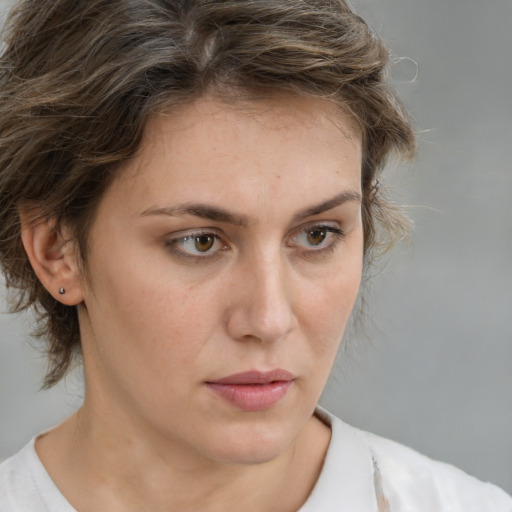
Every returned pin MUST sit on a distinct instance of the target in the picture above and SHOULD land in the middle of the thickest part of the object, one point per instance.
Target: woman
(188, 196)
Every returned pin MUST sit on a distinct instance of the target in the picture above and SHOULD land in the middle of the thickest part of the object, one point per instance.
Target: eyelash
(333, 236)
(326, 247)
(174, 243)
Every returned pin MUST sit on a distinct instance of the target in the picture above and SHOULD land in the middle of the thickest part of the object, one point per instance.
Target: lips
(253, 391)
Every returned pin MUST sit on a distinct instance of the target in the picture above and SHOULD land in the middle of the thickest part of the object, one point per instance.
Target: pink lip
(253, 391)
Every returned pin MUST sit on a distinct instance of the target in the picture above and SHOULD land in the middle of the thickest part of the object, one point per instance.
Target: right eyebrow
(201, 210)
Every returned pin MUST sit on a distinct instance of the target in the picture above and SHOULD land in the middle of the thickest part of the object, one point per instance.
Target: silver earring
(62, 291)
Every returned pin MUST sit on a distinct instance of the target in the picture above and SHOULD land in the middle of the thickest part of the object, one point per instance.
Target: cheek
(154, 316)
(182, 323)
(330, 313)
(149, 334)
(328, 307)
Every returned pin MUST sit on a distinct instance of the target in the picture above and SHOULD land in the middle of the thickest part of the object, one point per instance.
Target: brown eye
(200, 246)
(316, 236)
(316, 239)
(204, 243)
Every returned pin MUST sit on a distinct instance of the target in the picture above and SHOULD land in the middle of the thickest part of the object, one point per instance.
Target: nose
(261, 307)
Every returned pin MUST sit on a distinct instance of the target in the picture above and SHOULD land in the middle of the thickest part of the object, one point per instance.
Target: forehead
(279, 111)
(247, 148)
(212, 119)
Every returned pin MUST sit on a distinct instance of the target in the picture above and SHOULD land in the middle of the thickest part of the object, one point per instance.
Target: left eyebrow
(327, 205)
(217, 214)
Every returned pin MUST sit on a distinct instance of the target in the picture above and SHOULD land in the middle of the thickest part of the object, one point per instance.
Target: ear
(53, 258)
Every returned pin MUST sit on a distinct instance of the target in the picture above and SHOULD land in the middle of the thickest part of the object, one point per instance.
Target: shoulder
(25, 486)
(408, 476)
(14, 479)
(410, 481)
(19, 486)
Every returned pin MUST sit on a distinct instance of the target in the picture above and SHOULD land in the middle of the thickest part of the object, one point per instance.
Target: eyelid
(173, 242)
(334, 237)
(331, 227)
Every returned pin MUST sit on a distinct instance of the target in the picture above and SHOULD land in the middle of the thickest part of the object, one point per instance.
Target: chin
(251, 455)
(251, 446)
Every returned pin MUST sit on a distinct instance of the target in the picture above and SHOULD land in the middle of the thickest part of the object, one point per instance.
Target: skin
(161, 315)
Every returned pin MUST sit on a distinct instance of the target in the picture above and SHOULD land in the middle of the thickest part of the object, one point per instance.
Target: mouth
(253, 391)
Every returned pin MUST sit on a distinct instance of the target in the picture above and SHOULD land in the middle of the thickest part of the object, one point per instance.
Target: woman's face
(224, 263)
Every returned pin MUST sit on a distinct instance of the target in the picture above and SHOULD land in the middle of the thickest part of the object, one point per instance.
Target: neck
(130, 468)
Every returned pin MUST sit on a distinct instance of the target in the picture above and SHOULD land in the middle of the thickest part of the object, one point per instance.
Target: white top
(362, 472)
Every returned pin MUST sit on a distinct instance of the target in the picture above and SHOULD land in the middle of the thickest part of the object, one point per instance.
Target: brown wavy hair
(79, 80)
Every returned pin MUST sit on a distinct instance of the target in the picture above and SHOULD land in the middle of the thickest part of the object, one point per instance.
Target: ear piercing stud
(62, 291)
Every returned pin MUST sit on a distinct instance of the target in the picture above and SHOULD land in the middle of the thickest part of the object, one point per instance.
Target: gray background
(434, 368)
